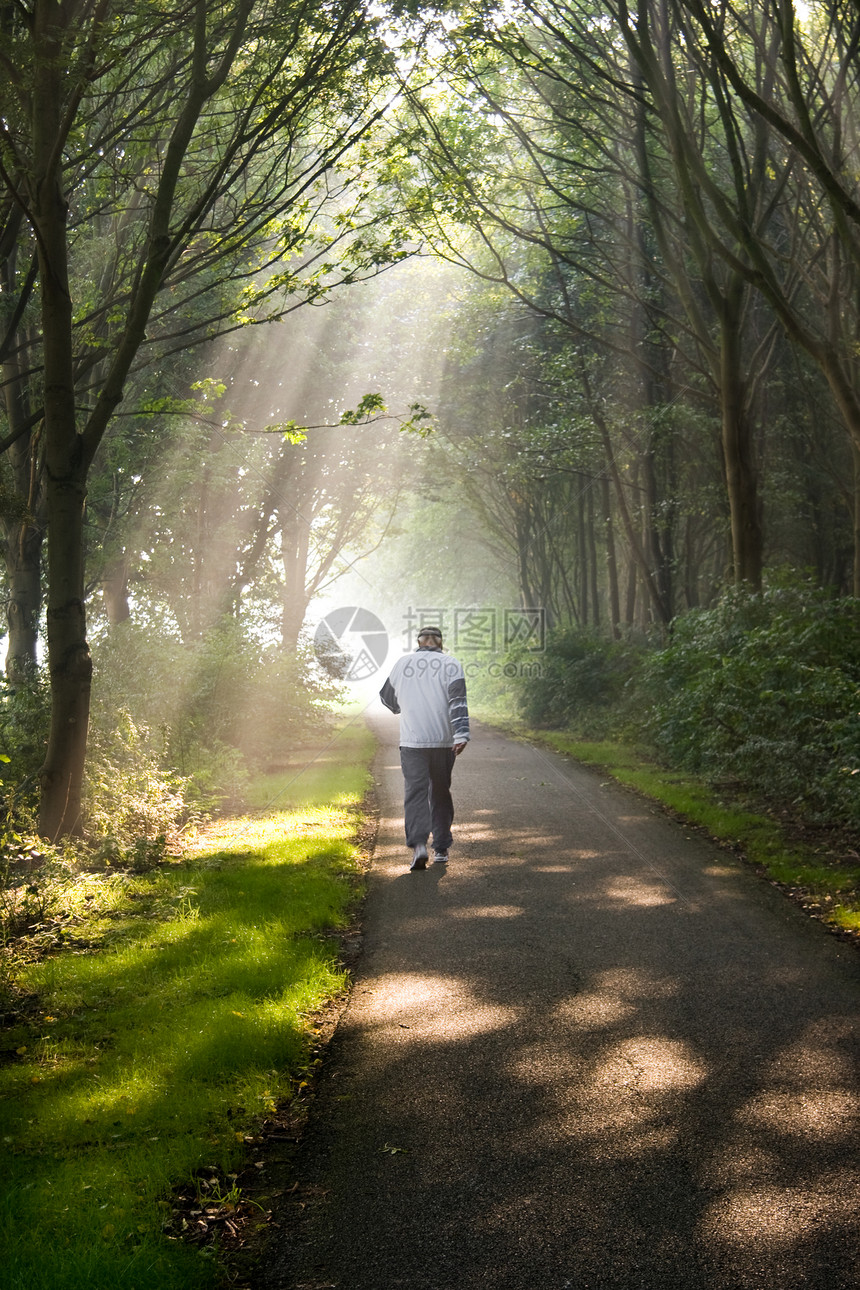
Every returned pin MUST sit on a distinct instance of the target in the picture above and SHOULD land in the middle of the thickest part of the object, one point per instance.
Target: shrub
(285, 700)
(174, 728)
(765, 690)
(582, 682)
(24, 716)
(132, 804)
(218, 705)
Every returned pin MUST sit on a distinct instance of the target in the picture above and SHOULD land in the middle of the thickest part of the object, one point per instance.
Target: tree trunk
(69, 662)
(611, 560)
(582, 545)
(657, 537)
(22, 539)
(115, 592)
(691, 570)
(637, 549)
(23, 526)
(856, 455)
(295, 539)
(592, 559)
(65, 472)
(738, 451)
(527, 595)
(23, 573)
(630, 596)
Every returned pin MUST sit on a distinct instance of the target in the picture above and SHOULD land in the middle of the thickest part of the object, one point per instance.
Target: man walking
(428, 689)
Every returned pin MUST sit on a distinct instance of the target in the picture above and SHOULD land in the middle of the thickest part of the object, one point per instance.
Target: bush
(131, 803)
(219, 706)
(174, 729)
(765, 690)
(582, 682)
(286, 699)
(24, 717)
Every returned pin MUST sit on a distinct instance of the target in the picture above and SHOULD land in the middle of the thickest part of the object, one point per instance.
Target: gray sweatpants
(427, 805)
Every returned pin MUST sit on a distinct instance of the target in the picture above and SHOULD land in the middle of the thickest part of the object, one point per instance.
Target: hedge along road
(592, 1052)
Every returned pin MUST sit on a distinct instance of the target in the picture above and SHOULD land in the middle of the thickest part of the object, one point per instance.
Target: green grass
(179, 1015)
(827, 885)
(314, 773)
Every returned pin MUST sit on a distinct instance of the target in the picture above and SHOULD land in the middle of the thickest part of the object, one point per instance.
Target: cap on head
(430, 631)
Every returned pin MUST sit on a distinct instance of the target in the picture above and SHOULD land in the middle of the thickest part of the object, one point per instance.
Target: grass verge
(174, 1014)
(820, 870)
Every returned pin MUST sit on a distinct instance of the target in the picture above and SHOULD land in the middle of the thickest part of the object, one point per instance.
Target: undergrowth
(153, 1019)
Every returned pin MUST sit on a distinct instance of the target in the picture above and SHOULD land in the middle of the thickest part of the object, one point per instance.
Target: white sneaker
(419, 858)
(440, 857)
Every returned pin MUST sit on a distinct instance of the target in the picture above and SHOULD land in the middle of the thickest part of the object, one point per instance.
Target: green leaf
(370, 405)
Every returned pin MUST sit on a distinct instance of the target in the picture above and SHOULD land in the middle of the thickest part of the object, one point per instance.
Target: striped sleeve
(458, 710)
(389, 697)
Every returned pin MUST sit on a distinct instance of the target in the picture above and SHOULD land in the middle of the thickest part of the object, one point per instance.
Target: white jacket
(428, 689)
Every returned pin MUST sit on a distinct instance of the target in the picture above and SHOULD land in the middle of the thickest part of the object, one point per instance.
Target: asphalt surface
(595, 1051)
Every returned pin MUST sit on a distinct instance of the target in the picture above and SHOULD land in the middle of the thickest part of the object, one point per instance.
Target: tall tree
(788, 81)
(673, 182)
(199, 135)
(532, 148)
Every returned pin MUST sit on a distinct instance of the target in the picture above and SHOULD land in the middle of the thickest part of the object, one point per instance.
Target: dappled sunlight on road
(556, 868)
(773, 1218)
(619, 1102)
(489, 911)
(637, 891)
(610, 998)
(390, 824)
(574, 853)
(440, 1007)
(594, 1011)
(819, 1054)
(813, 1113)
(648, 1064)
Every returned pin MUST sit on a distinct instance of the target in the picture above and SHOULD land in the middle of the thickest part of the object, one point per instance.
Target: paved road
(595, 1052)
